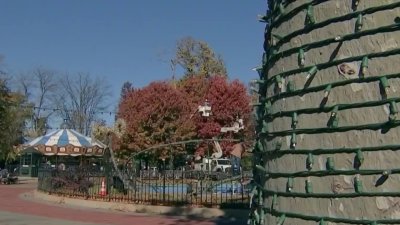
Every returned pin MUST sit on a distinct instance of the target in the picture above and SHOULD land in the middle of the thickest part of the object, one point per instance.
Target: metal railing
(172, 187)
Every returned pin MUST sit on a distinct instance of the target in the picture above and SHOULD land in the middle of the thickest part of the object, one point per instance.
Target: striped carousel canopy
(67, 142)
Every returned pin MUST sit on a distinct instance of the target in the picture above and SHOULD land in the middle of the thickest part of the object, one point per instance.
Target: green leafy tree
(12, 121)
(196, 57)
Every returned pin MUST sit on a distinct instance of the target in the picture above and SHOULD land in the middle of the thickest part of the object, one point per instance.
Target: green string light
(281, 219)
(309, 161)
(267, 108)
(278, 80)
(393, 111)
(309, 188)
(274, 200)
(384, 84)
(264, 127)
(327, 90)
(294, 120)
(322, 222)
(313, 70)
(364, 65)
(289, 184)
(259, 146)
(261, 169)
(291, 86)
(302, 58)
(359, 158)
(359, 22)
(330, 164)
(278, 145)
(310, 15)
(358, 187)
(281, 9)
(293, 141)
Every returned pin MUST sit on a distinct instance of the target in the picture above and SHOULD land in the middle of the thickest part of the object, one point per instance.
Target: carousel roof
(64, 137)
(67, 142)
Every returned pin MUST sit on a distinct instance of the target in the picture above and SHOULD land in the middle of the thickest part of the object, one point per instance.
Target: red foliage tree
(160, 112)
(156, 114)
(229, 101)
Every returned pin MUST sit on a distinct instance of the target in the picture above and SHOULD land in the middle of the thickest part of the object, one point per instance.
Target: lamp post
(205, 111)
(163, 159)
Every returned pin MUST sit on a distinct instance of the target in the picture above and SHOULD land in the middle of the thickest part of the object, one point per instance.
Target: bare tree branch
(80, 97)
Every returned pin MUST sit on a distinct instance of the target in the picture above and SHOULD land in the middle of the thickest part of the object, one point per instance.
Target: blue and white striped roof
(64, 137)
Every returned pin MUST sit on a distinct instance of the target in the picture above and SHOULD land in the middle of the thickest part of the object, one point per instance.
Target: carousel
(60, 148)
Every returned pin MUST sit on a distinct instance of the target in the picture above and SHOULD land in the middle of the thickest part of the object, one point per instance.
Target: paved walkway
(17, 208)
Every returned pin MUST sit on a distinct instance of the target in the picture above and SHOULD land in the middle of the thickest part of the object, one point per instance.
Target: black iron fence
(173, 188)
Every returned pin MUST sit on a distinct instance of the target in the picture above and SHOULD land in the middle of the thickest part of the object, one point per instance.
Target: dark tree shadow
(335, 52)
(322, 105)
(381, 180)
(356, 163)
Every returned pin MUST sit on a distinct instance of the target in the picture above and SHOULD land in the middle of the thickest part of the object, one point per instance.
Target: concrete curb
(201, 213)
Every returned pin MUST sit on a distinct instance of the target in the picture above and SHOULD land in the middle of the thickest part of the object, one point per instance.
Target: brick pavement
(12, 204)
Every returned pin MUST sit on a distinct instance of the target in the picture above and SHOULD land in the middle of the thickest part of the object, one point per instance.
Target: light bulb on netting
(393, 110)
(327, 90)
(275, 38)
(313, 70)
(334, 111)
(260, 146)
(281, 8)
(261, 169)
(264, 128)
(338, 38)
(358, 184)
(264, 58)
(310, 14)
(386, 173)
(278, 145)
(293, 141)
(359, 157)
(281, 219)
(309, 161)
(364, 65)
(256, 215)
(309, 188)
(294, 120)
(333, 121)
(262, 216)
(290, 86)
(384, 84)
(279, 82)
(274, 201)
(322, 222)
(330, 164)
(302, 58)
(289, 184)
(267, 108)
(262, 18)
(359, 22)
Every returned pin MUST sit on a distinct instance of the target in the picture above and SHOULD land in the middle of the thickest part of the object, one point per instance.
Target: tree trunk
(329, 130)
